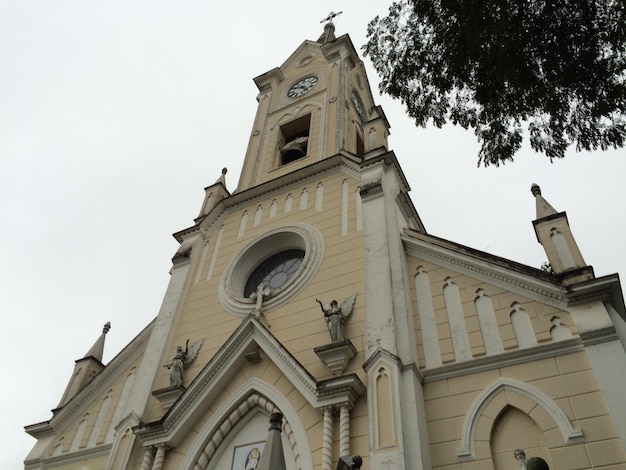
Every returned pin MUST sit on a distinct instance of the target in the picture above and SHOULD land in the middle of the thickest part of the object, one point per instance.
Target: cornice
(405, 203)
(605, 288)
(591, 338)
(340, 391)
(518, 356)
(388, 158)
(341, 160)
(69, 457)
(506, 273)
(511, 275)
(342, 42)
(249, 335)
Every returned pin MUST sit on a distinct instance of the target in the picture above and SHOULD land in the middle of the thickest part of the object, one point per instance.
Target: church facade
(314, 291)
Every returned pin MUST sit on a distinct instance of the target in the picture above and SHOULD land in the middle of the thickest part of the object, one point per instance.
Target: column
(344, 430)
(327, 439)
(160, 457)
(148, 458)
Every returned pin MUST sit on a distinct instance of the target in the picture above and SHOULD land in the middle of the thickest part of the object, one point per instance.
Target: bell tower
(317, 104)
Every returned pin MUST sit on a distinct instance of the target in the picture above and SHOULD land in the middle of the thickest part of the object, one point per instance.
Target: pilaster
(152, 359)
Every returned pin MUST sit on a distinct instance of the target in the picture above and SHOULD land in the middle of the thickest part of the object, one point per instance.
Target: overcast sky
(115, 115)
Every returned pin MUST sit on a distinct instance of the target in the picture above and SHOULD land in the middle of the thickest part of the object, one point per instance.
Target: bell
(293, 150)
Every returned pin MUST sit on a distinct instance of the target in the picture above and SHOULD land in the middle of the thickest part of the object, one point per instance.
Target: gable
(470, 307)
(85, 425)
(252, 370)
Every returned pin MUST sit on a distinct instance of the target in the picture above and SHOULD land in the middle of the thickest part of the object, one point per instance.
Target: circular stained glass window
(284, 260)
(275, 271)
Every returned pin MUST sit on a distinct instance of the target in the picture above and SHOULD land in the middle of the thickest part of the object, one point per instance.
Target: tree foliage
(554, 67)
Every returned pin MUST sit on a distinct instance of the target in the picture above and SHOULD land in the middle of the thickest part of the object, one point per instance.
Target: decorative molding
(251, 334)
(342, 160)
(467, 450)
(168, 395)
(228, 420)
(336, 356)
(380, 354)
(69, 457)
(484, 268)
(304, 236)
(518, 356)
(604, 335)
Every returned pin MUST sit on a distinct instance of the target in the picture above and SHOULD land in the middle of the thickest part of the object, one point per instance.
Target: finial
(535, 189)
(107, 327)
(543, 207)
(331, 15)
(222, 178)
(329, 28)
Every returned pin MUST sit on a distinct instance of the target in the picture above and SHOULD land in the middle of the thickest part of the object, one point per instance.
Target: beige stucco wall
(91, 414)
(299, 325)
(540, 313)
(568, 380)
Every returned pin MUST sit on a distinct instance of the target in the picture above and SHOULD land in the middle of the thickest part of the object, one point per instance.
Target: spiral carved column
(160, 457)
(327, 440)
(344, 430)
(148, 458)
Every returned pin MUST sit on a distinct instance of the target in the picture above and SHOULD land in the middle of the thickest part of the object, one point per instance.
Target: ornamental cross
(332, 15)
(262, 291)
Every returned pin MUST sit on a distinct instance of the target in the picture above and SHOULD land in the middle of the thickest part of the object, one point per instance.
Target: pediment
(306, 53)
(250, 338)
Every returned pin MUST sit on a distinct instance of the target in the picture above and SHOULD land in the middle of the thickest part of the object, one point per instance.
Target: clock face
(302, 86)
(358, 104)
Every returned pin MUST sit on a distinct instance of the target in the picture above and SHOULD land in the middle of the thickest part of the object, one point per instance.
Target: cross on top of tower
(331, 15)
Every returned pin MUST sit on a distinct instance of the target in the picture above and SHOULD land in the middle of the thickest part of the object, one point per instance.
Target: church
(311, 322)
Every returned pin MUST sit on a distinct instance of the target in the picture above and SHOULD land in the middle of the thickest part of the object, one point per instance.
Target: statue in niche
(520, 457)
(183, 358)
(336, 316)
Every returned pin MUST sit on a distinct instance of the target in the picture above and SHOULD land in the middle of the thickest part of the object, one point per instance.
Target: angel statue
(336, 316)
(183, 358)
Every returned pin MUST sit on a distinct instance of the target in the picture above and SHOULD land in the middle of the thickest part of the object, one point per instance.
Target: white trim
(467, 450)
(344, 208)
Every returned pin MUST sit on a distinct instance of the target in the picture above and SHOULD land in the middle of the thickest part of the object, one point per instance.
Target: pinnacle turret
(87, 367)
(554, 233)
